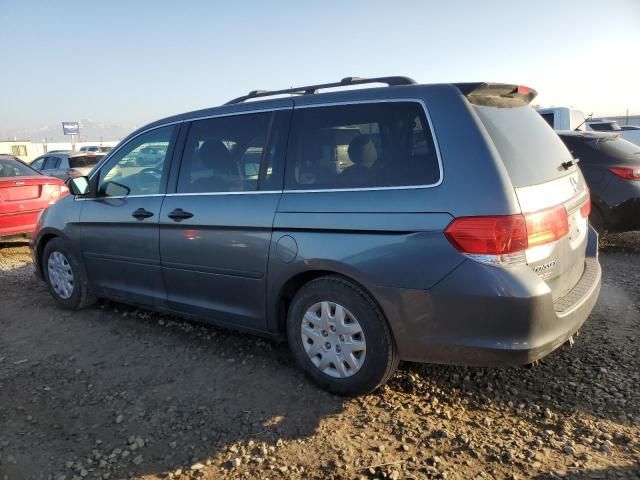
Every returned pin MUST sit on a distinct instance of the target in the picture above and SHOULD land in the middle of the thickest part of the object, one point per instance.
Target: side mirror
(79, 185)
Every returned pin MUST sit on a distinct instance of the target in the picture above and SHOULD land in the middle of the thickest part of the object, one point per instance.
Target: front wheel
(340, 337)
(65, 277)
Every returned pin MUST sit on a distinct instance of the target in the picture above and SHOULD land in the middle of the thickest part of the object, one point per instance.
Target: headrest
(213, 152)
(362, 150)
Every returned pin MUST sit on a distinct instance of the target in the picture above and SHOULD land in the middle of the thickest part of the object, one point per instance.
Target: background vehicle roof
(589, 135)
(85, 154)
(70, 154)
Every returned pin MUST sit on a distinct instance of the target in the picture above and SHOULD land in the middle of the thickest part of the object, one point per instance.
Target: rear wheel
(340, 337)
(65, 277)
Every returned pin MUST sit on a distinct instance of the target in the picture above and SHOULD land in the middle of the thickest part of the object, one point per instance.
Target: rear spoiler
(497, 94)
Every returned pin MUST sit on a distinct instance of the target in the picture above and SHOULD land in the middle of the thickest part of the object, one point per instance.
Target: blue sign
(71, 128)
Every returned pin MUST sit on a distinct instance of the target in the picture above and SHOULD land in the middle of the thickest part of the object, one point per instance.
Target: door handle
(141, 214)
(178, 215)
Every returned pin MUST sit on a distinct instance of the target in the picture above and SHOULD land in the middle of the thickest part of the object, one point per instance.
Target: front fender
(60, 220)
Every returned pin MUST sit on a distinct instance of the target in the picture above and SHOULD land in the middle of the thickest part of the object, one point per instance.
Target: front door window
(138, 168)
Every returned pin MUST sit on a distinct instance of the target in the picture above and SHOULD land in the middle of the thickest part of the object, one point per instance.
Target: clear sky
(130, 62)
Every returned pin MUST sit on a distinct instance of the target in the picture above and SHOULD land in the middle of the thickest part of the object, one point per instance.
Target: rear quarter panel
(376, 250)
(391, 240)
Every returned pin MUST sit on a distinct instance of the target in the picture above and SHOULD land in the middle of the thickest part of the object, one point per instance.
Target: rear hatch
(23, 197)
(547, 184)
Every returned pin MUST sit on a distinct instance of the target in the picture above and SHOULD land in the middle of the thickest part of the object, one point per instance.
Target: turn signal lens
(585, 209)
(546, 226)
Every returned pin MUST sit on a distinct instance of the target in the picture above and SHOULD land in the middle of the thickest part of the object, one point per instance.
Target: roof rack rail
(311, 89)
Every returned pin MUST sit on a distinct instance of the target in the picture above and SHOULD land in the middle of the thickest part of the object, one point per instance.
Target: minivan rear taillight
(546, 226)
(497, 235)
(628, 173)
(503, 239)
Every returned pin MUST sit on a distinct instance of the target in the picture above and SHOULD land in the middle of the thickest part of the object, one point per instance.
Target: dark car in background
(65, 165)
(628, 132)
(24, 194)
(432, 223)
(611, 166)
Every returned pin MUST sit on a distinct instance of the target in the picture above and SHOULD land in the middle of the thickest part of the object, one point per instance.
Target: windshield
(617, 147)
(14, 168)
(531, 150)
(84, 161)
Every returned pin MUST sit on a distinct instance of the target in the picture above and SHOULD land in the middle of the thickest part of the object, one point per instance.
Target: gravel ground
(621, 242)
(116, 392)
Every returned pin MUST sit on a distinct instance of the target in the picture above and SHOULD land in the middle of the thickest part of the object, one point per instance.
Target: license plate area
(20, 192)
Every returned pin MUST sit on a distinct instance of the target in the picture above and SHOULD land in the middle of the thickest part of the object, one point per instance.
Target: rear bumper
(16, 236)
(487, 316)
(624, 217)
(17, 230)
(18, 223)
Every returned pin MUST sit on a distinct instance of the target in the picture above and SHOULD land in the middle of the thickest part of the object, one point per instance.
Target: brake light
(505, 236)
(497, 235)
(54, 192)
(628, 173)
(522, 90)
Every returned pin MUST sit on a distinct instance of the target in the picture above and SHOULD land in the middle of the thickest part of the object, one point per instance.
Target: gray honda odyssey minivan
(432, 223)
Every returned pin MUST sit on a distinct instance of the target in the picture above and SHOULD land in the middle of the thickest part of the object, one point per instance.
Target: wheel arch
(296, 281)
(44, 237)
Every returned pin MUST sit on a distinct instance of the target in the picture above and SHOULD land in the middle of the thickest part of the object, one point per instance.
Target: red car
(24, 193)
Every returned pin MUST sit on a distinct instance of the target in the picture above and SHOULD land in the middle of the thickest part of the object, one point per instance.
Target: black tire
(596, 218)
(381, 359)
(81, 296)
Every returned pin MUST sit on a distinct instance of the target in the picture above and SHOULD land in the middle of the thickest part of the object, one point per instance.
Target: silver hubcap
(333, 339)
(60, 275)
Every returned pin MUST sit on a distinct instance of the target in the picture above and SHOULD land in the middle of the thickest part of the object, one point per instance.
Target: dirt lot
(114, 392)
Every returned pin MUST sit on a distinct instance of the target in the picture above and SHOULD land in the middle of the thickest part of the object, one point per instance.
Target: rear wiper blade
(570, 163)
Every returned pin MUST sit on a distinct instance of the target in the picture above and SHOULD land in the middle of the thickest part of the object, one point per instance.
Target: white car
(564, 118)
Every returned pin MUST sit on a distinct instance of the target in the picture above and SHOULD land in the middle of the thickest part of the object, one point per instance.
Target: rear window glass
(361, 146)
(13, 168)
(531, 151)
(84, 161)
